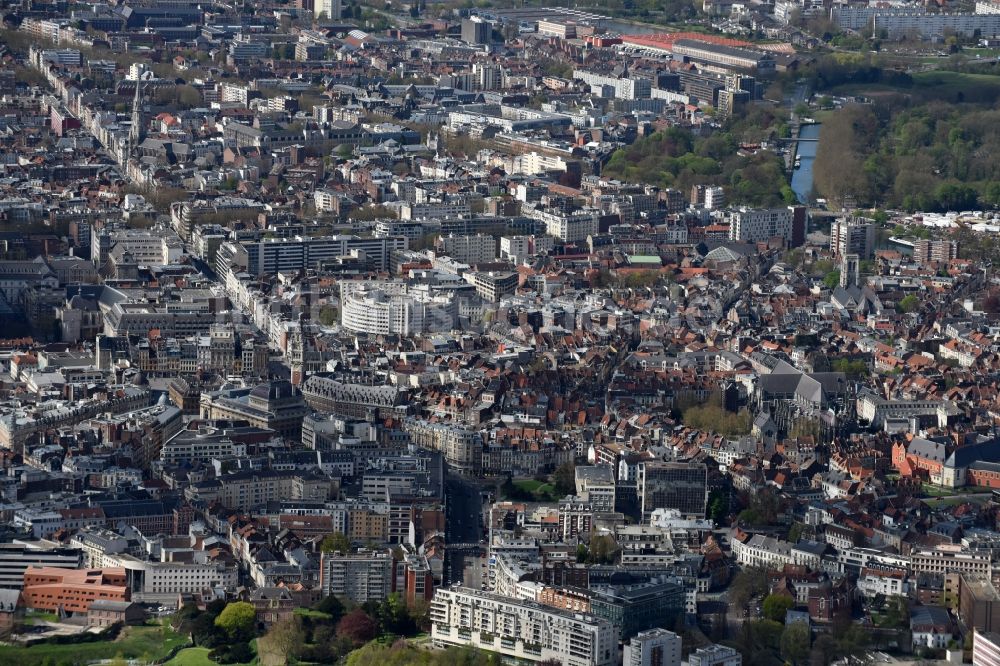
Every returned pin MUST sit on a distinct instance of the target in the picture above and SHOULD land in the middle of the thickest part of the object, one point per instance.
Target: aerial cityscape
(463, 333)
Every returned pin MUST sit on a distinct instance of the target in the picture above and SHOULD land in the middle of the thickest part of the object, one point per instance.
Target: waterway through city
(802, 177)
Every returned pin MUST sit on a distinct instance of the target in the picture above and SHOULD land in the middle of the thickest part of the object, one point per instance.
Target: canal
(630, 28)
(802, 178)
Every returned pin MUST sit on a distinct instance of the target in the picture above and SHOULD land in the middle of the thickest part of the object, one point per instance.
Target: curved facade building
(380, 313)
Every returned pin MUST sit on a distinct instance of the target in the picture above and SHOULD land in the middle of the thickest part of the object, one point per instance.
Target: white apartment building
(753, 225)
(360, 577)
(330, 9)
(572, 228)
(380, 313)
(602, 85)
(715, 655)
(520, 629)
(98, 546)
(489, 75)
(462, 447)
(762, 551)
(986, 648)
(715, 197)
(531, 164)
(877, 410)
(493, 285)
(518, 248)
(654, 647)
(325, 200)
(165, 580)
(157, 247)
(857, 558)
(950, 558)
(884, 581)
(476, 249)
(596, 486)
(853, 235)
(202, 446)
(435, 210)
(508, 572)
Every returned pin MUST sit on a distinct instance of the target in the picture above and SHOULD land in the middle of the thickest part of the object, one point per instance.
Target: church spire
(135, 134)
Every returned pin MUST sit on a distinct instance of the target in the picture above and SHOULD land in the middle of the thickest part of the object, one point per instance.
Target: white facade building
(853, 236)
(520, 629)
(165, 580)
(754, 225)
(986, 648)
(602, 85)
(571, 228)
(518, 248)
(655, 647)
(884, 581)
(360, 577)
(379, 312)
(762, 551)
(715, 655)
(715, 197)
(435, 210)
(331, 9)
(477, 249)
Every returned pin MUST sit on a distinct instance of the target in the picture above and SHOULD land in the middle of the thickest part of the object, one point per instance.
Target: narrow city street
(464, 526)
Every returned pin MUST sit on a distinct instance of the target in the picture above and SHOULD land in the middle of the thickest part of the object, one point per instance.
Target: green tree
(328, 315)
(775, 606)
(371, 213)
(332, 606)
(283, 642)
(335, 542)
(909, 303)
(603, 550)
(759, 641)
(718, 506)
(795, 643)
(762, 508)
(854, 369)
(805, 426)
(564, 479)
(237, 620)
(831, 279)
(897, 613)
(956, 197)
(715, 418)
(795, 532)
(749, 583)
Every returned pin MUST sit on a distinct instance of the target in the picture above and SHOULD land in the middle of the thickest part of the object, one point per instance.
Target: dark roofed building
(106, 612)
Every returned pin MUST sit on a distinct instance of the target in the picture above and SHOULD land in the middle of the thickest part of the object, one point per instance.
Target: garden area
(542, 488)
(150, 642)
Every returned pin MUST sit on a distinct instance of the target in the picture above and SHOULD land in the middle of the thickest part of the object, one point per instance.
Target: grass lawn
(954, 501)
(947, 84)
(542, 491)
(529, 485)
(148, 642)
(315, 614)
(198, 656)
(33, 617)
(937, 84)
(938, 491)
(195, 656)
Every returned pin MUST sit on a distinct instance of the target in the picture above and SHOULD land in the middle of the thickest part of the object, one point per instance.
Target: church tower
(136, 133)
